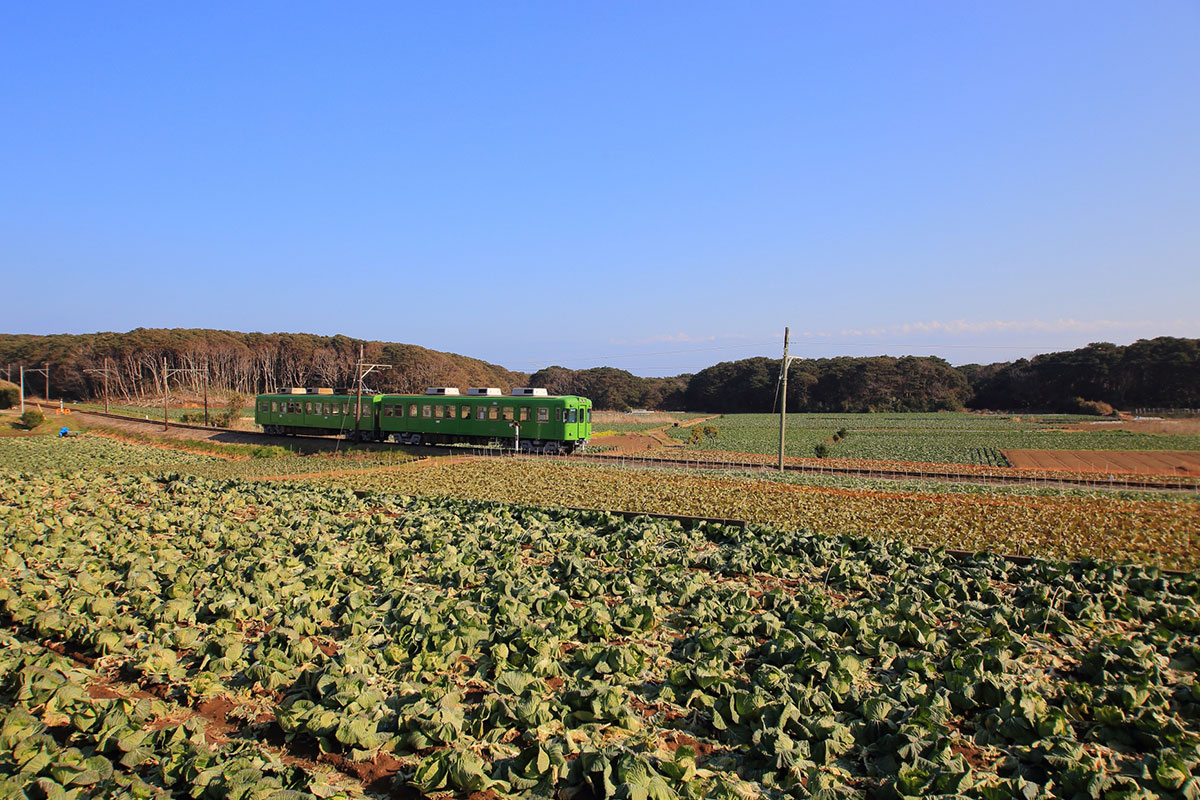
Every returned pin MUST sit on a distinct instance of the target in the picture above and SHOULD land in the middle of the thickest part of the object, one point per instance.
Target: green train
(528, 420)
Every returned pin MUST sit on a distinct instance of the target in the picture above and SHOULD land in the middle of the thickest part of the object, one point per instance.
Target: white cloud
(962, 327)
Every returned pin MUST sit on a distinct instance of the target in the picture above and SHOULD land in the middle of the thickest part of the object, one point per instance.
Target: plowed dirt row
(1139, 462)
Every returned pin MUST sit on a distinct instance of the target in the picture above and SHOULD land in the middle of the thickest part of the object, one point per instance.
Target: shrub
(32, 418)
(1097, 408)
(10, 394)
(233, 410)
(820, 450)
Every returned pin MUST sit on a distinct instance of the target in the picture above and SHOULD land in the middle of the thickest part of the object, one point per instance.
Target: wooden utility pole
(206, 393)
(783, 398)
(167, 373)
(45, 371)
(166, 421)
(103, 372)
(362, 370)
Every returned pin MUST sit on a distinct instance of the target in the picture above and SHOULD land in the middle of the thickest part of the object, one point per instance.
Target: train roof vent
(442, 390)
(484, 391)
(324, 390)
(295, 390)
(529, 391)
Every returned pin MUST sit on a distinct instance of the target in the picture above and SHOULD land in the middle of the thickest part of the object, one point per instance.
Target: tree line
(233, 362)
(1161, 372)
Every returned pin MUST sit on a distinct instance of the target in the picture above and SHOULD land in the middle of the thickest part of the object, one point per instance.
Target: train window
(543, 415)
(337, 409)
(558, 415)
(387, 411)
(308, 408)
(439, 412)
(412, 409)
(481, 412)
(508, 413)
(524, 413)
(493, 412)
(426, 411)
(465, 412)
(587, 415)
(274, 407)
(398, 410)
(571, 416)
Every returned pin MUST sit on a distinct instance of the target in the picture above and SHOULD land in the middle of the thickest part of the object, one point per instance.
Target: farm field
(175, 414)
(1144, 462)
(619, 422)
(1152, 531)
(934, 438)
(97, 451)
(235, 639)
(357, 625)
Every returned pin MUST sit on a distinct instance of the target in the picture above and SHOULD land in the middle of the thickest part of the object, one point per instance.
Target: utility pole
(103, 372)
(206, 393)
(362, 370)
(167, 373)
(45, 371)
(783, 398)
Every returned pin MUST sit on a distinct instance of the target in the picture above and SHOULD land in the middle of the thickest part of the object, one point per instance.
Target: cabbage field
(171, 634)
(1157, 529)
(935, 438)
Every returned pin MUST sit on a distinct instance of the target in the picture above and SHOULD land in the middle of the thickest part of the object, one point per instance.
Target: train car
(529, 420)
(316, 413)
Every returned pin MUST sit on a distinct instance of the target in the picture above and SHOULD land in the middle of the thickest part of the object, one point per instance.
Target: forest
(1161, 373)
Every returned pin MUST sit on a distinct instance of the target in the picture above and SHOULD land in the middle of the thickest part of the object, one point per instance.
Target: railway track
(1113, 482)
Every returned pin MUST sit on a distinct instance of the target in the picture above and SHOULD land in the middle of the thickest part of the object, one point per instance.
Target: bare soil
(648, 439)
(628, 442)
(1183, 425)
(1139, 462)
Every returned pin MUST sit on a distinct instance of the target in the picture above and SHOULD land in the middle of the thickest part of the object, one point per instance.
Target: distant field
(936, 438)
(619, 422)
(174, 414)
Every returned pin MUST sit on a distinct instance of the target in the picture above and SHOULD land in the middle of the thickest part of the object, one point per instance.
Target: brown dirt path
(648, 439)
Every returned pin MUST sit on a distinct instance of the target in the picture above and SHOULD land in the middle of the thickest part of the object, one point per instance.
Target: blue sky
(652, 186)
